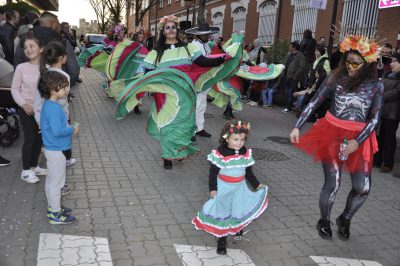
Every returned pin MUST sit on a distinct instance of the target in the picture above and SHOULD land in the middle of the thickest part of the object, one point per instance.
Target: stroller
(9, 126)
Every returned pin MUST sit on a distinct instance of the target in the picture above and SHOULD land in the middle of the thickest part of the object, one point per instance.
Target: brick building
(270, 20)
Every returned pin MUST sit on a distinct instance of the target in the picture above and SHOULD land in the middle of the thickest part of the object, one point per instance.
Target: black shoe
(343, 227)
(167, 164)
(193, 139)
(4, 162)
(79, 80)
(203, 133)
(221, 248)
(240, 233)
(136, 110)
(324, 229)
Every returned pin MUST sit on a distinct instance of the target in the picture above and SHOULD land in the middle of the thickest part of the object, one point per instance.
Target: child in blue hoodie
(56, 135)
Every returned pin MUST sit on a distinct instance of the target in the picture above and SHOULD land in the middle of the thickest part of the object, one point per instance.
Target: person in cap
(202, 35)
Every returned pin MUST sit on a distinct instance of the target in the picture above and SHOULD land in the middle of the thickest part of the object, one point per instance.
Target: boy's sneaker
(4, 161)
(286, 111)
(71, 162)
(61, 218)
(39, 171)
(29, 176)
(65, 210)
(66, 189)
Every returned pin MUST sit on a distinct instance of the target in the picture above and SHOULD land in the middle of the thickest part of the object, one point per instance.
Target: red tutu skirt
(323, 141)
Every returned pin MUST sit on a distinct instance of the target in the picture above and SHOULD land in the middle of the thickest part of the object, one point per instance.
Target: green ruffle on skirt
(227, 91)
(124, 60)
(86, 55)
(274, 70)
(174, 124)
(226, 70)
(115, 87)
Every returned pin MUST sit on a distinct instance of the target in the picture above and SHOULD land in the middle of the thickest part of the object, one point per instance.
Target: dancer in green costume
(172, 70)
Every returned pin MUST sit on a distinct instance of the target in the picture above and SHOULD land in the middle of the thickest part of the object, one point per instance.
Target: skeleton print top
(361, 105)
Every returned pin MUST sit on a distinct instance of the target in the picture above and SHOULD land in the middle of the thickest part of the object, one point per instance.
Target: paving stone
(121, 192)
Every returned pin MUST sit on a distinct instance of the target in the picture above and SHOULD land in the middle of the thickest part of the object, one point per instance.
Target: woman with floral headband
(171, 78)
(232, 205)
(353, 115)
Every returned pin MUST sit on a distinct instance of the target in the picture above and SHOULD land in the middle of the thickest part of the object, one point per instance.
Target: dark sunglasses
(169, 28)
(353, 64)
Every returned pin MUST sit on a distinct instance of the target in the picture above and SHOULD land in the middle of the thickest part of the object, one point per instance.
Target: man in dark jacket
(295, 69)
(8, 33)
(46, 32)
(390, 118)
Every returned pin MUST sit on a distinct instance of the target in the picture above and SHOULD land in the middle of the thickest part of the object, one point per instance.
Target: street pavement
(129, 207)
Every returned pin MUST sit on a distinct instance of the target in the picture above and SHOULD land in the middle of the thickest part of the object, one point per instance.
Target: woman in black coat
(390, 118)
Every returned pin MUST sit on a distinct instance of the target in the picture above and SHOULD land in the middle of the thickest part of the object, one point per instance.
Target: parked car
(92, 39)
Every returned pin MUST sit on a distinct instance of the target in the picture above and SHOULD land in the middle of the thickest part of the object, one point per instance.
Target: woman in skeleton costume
(354, 112)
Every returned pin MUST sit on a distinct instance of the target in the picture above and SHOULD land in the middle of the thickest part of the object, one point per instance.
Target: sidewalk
(121, 193)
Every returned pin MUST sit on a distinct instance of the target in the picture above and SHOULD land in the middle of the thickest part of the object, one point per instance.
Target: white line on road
(207, 256)
(332, 261)
(57, 249)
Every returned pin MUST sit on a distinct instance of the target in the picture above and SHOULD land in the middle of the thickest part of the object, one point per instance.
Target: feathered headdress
(165, 19)
(368, 48)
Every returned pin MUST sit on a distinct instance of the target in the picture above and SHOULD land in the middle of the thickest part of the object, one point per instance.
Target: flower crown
(368, 48)
(165, 19)
(239, 125)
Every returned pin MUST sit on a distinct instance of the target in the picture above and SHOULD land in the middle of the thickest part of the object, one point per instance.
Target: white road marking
(207, 256)
(331, 261)
(57, 249)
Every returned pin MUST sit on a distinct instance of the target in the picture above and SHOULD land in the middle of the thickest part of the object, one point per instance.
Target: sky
(72, 10)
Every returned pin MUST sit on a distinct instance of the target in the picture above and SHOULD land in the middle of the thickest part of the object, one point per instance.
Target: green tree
(21, 7)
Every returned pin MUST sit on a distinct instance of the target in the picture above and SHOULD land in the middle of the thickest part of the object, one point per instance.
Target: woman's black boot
(136, 110)
(240, 233)
(167, 164)
(324, 228)
(221, 248)
(343, 227)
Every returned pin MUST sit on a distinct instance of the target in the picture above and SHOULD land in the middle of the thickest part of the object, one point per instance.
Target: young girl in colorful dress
(23, 90)
(233, 205)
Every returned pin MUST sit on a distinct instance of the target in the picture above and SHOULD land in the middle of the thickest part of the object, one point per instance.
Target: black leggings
(361, 184)
(32, 140)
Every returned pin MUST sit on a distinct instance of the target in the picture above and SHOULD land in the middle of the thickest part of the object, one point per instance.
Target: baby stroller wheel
(6, 140)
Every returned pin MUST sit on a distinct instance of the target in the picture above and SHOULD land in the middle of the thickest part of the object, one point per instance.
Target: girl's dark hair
(30, 36)
(51, 55)
(367, 72)
(161, 46)
(51, 81)
(234, 127)
(321, 49)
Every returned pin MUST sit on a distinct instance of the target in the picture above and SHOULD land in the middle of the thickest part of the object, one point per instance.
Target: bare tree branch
(141, 11)
(116, 7)
(102, 14)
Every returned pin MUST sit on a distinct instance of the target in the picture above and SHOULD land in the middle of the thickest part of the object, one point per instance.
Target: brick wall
(388, 25)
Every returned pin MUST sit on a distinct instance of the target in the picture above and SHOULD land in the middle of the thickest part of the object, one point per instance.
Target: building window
(169, 2)
(305, 18)
(161, 3)
(360, 17)
(218, 20)
(267, 21)
(239, 19)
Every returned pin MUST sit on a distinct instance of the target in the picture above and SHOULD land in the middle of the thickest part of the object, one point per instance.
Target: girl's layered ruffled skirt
(234, 207)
